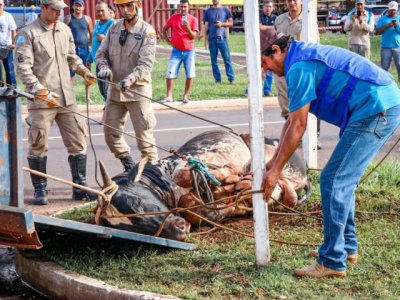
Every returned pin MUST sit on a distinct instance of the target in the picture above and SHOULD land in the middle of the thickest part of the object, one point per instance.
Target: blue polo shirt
(267, 20)
(367, 99)
(391, 36)
(98, 29)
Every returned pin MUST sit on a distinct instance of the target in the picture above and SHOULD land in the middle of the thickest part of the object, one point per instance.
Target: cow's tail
(308, 190)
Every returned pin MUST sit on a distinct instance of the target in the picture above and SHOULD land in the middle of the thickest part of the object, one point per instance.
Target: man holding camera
(184, 28)
(388, 27)
(359, 24)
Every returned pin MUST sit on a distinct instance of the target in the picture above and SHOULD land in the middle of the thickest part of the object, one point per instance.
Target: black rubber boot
(128, 163)
(39, 183)
(77, 164)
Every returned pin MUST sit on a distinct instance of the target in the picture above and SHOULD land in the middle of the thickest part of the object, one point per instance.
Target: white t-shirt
(30, 17)
(7, 24)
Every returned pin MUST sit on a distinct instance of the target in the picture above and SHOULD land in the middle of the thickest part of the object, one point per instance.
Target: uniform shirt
(180, 37)
(135, 59)
(391, 36)
(359, 33)
(99, 28)
(44, 58)
(267, 20)
(215, 14)
(7, 24)
(366, 100)
(284, 24)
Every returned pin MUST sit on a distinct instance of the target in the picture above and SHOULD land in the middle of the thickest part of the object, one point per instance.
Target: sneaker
(185, 100)
(232, 82)
(166, 100)
(217, 82)
(351, 257)
(318, 271)
(268, 95)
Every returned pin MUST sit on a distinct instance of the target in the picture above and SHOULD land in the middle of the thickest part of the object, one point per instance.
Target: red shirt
(180, 37)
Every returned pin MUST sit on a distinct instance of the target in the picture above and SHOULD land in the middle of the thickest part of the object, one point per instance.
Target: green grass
(223, 265)
(204, 87)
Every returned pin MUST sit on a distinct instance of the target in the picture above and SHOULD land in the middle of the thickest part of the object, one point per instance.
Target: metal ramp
(62, 225)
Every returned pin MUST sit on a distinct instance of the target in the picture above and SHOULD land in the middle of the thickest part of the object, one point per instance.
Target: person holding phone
(388, 27)
(184, 28)
(359, 24)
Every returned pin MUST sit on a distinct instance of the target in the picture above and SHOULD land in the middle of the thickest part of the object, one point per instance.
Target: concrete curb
(56, 282)
(192, 105)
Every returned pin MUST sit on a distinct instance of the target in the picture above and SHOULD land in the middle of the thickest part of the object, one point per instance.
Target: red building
(156, 12)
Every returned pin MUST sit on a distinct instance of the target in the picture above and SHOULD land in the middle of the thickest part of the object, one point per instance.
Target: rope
(171, 107)
(87, 93)
(75, 185)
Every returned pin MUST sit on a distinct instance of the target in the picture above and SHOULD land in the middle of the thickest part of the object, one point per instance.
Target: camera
(358, 13)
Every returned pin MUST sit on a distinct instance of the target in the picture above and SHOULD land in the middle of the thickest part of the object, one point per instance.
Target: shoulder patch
(20, 39)
(152, 38)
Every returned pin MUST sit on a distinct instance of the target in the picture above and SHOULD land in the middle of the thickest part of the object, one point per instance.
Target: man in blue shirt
(216, 21)
(99, 33)
(388, 27)
(347, 90)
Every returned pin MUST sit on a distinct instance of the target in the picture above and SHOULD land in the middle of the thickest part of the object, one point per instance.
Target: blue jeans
(358, 145)
(187, 57)
(221, 45)
(8, 64)
(386, 59)
(269, 77)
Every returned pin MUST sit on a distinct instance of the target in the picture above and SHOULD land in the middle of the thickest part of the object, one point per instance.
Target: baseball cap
(81, 2)
(55, 4)
(360, 1)
(393, 5)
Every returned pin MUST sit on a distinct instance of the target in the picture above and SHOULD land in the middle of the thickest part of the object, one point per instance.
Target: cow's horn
(106, 178)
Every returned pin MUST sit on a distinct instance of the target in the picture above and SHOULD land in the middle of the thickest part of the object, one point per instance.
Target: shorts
(175, 61)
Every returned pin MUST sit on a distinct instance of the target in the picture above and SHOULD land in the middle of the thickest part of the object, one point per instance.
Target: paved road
(172, 130)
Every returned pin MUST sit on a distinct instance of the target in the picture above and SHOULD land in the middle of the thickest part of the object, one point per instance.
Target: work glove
(89, 78)
(125, 84)
(104, 73)
(46, 96)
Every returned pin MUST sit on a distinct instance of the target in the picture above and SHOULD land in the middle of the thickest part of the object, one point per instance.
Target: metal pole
(253, 60)
(310, 34)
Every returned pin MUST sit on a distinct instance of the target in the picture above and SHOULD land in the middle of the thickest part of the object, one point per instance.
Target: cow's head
(145, 196)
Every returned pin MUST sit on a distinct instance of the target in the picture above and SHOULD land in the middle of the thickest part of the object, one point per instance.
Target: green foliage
(223, 265)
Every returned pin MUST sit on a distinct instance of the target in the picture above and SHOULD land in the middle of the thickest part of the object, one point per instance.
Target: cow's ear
(142, 164)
